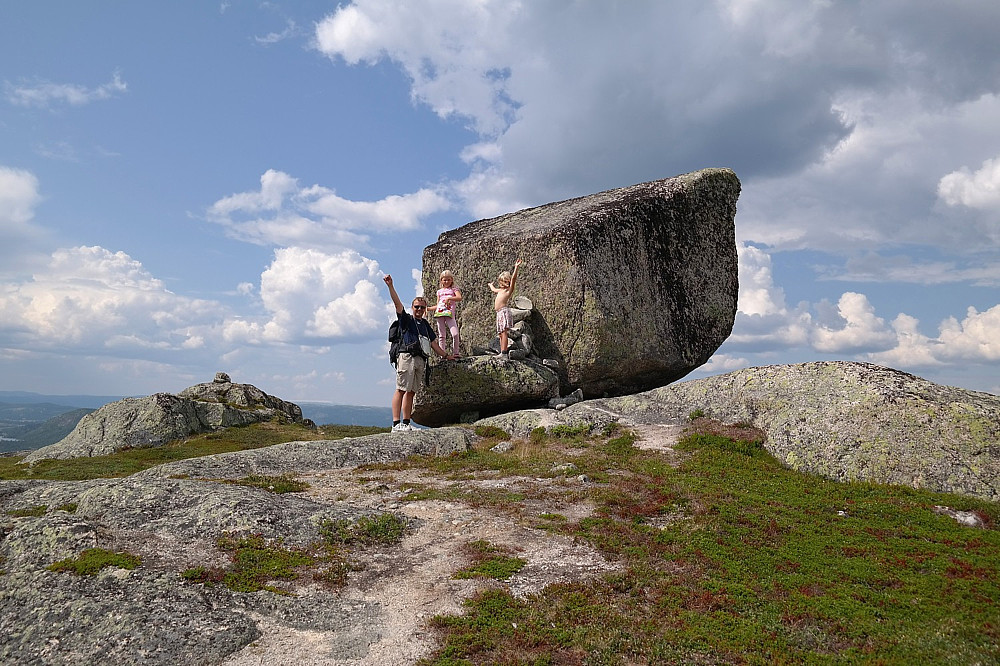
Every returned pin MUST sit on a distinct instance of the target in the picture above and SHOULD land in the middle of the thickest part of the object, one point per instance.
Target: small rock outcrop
(159, 418)
(632, 288)
(842, 420)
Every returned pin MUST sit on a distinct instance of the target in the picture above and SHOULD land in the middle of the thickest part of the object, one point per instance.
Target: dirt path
(412, 581)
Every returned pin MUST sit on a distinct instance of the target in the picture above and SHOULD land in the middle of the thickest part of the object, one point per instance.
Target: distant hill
(323, 414)
(35, 436)
(71, 401)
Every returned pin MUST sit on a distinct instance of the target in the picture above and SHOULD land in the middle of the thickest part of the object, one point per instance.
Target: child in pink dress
(446, 312)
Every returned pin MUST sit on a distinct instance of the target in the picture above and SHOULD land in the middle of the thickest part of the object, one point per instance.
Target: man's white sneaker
(401, 427)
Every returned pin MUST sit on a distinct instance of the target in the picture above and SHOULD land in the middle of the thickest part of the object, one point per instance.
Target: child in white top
(507, 281)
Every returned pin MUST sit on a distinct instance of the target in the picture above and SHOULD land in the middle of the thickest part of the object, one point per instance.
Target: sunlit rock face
(632, 288)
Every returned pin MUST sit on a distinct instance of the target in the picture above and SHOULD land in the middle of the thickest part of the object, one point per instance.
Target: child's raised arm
(513, 276)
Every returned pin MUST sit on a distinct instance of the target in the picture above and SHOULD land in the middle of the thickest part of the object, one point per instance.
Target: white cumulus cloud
(861, 329)
(93, 299)
(979, 189)
(312, 297)
(282, 213)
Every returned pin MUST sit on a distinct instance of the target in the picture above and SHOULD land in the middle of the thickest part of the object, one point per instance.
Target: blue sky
(190, 187)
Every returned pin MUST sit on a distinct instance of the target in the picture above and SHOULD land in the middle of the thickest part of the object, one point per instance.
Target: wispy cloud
(291, 30)
(45, 94)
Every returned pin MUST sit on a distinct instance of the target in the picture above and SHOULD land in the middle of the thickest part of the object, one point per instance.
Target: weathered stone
(632, 288)
(150, 615)
(313, 456)
(162, 417)
(482, 385)
(565, 401)
(841, 420)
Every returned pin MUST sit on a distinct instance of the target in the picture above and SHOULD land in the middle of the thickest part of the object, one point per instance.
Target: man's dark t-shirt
(414, 326)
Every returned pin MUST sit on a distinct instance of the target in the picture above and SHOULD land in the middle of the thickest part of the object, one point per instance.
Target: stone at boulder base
(469, 388)
(631, 288)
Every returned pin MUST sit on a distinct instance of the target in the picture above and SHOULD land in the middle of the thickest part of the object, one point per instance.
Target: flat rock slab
(474, 387)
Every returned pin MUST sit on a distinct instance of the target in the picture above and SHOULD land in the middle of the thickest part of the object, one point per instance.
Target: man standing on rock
(411, 365)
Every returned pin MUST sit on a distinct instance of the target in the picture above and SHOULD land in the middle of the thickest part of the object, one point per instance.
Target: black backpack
(400, 342)
(395, 340)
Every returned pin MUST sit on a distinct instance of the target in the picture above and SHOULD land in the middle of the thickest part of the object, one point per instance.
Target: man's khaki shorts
(409, 372)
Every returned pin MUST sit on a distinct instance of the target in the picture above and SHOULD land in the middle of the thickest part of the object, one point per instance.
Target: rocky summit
(632, 288)
(846, 421)
(159, 418)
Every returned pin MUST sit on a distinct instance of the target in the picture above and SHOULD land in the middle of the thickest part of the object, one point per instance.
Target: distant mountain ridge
(323, 413)
(70, 401)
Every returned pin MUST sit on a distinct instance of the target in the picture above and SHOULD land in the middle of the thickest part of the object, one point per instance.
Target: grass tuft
(382, 529)
(489, 561)
(275, 484)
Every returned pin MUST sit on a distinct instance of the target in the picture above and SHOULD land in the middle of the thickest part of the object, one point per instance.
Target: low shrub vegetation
(730, 557)
(258, 562)
(489, 561)
(492, 432)
(275, 484)
(29, 512)
(381, 529)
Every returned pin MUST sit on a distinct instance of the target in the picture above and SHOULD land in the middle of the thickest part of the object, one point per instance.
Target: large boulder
(159, 418)
(632, 288)
(464, 390)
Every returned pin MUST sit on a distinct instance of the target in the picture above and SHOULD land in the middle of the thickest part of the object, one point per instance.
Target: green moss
(29, 512)
(92, 560)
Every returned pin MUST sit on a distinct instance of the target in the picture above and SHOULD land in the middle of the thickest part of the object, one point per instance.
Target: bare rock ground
(412, 582)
